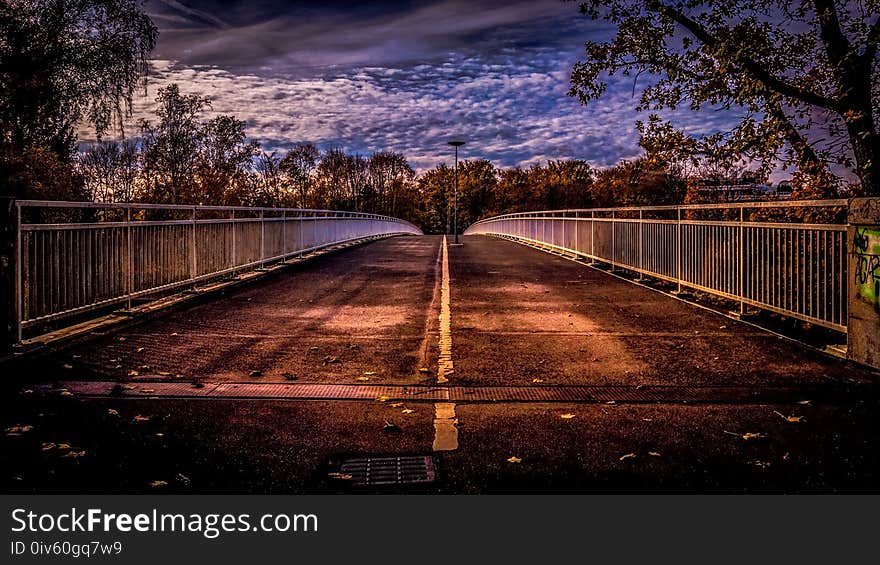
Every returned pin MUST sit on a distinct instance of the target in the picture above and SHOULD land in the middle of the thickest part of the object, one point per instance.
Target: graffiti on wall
(866, 246)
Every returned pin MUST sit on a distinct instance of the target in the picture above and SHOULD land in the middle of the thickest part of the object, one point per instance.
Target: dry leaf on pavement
(627, 456)
(792, 419)
(566, 416)
(514, 459)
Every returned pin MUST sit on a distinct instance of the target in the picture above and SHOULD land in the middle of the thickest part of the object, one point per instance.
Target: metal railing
(784, 257)
(73, 257)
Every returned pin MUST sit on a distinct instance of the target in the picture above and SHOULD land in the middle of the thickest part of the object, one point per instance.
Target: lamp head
(456, 143)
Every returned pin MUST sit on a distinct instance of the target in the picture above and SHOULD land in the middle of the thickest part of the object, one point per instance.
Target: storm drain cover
(389, 470)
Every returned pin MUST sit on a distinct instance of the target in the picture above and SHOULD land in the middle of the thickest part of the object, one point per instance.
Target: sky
(404, 76)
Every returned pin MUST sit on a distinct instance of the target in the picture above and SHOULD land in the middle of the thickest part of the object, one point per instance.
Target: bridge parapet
(788, 257)
(864, 296)
(71, 258)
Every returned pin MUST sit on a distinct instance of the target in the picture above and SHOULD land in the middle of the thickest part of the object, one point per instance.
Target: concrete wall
(864, 286)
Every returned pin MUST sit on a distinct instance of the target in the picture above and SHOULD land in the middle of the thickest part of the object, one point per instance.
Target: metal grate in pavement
(460, 394)
(367, 471)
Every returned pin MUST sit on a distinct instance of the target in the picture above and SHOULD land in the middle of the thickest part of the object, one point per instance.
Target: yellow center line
(444, 365)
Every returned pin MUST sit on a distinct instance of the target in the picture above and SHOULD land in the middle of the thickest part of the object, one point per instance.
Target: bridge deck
(369, 317)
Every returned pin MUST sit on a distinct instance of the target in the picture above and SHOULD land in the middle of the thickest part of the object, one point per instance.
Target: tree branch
(756, 69)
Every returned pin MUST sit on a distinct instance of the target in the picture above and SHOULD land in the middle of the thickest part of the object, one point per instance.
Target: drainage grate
(389, 470)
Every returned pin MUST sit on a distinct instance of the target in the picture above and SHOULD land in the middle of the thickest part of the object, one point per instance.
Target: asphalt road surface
(371, 315)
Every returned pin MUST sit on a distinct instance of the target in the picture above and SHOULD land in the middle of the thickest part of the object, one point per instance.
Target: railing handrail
(827, 203)
(198, 208)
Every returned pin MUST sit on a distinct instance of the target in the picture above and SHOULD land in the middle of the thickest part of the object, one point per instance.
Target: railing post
(613, 240)
(262, 237)
(741, 271)
(678, 246)
(641, 246)
(283, 235)
(234, 229)
(192, 247)
(129, 259)
(592, 235)
(10, 268)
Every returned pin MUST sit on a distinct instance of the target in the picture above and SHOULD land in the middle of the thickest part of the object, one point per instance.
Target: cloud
(407, 80)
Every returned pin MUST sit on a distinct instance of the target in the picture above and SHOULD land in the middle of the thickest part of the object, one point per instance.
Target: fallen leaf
(653, 454)
(26, 391)
(537, 380)
(148, 390)
(611, 402)
(133, 373)
(340, 476)
(383, 398)
(514, 459)
(175, 334)
(362, 379)
(144, 367)
(424, 370)
(396, 404)
(627, 456)
(75, 454)
(121, 338)
(370, 373)
(792, 419)
(139, 350)
(140, 418)
(407, 411)
(329, 359)
(746, 436)
(129, 387)
(566, 416)
(806, 402)
(157, 484)
(19, 429)
(67, 366)
(48, 446)
(63, 446)
(163, 373)
(65, 393)
(112, 412)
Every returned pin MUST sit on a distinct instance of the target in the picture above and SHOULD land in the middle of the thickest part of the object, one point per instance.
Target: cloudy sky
(405, 76)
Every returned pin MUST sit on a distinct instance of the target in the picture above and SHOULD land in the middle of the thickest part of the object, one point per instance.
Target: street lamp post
(456, 144)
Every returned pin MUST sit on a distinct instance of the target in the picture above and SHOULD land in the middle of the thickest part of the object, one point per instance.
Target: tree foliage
(67, 61)
(803, 75)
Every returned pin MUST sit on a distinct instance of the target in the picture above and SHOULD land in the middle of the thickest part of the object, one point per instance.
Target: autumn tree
(224, 159)
(110, 170)
(803, 75)
(298, 167)
(172, 146)
(389, 174)
(65, 61)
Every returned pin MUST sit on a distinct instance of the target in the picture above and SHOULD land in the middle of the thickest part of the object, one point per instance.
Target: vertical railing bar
(129, 262)
(741, 265)
(678, 246)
